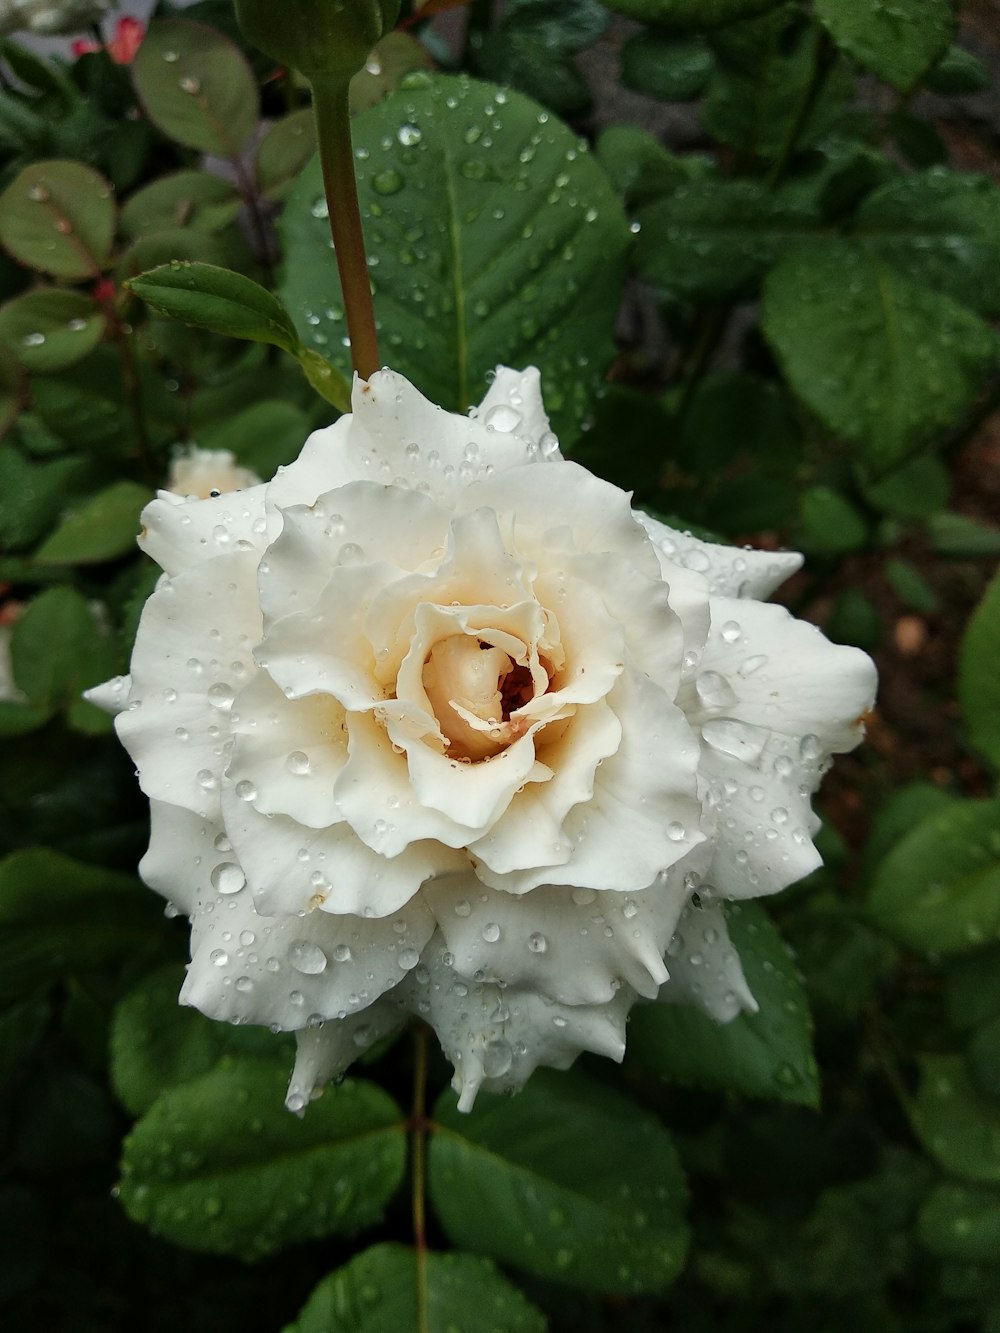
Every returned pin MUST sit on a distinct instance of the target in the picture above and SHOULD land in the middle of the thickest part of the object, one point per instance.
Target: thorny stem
(418, 1130)
(333, 128)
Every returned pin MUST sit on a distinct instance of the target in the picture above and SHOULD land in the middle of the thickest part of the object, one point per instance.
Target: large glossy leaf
(568, 1180)
(219, 1164)
(978, 679)
(197, 86)
(938, 889)
(941, 228)
(767, 1054)
(957, 1124)
(898, 41)
(391, 1287)
(59, 217)
(157, 1043)
(884, 361)
(494, 237)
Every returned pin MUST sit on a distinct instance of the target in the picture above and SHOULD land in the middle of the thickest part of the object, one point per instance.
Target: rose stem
(418, 1128)
(333, 127)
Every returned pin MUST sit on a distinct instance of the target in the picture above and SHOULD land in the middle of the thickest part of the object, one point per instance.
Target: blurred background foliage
(754, 246)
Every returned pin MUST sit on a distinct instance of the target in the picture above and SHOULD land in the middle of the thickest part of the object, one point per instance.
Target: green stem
(333, 128)
(418, 1130)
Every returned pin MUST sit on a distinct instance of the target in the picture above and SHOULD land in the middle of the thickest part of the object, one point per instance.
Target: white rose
(204, 472)
(51, 17)
(434, 723)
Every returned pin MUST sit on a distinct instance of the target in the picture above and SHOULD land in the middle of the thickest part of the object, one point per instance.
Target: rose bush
(435, 723)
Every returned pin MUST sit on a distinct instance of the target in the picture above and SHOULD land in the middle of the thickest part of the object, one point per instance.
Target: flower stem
(333, 128)
(418, 1161)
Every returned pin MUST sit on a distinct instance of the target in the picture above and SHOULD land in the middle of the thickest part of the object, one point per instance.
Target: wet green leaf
(511, 251)
(672, 69)
(103, 528)
(59, 217)
(197, 86)
(568, 1180)
(182, 199)
(284, 150)
(691, 13)
(885, 362)
(218, 1164)
(957, 1125)
(393, 1287)
(938, 888)
(898, 41)
(767, 1054)
(50, 328)
(959, 1221)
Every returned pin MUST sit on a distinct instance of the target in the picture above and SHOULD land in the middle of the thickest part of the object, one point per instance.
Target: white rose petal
(435, 724)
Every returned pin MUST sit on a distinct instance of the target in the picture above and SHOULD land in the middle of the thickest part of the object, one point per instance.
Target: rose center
(473, 689)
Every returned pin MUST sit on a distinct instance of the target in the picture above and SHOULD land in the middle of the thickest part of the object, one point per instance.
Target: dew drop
(228, 878)
(307, 958)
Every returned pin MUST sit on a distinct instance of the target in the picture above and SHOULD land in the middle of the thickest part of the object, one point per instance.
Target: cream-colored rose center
(474, 689)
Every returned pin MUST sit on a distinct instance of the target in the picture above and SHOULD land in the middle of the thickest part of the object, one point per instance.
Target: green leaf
(182, 199)
(284, 151)
(225, 302)
(395, 56)
(58, 648)
(568, 1180)
(957, 1125)
(218, 1164)
(103, 528)
(984, 1058)
(958, 73)
(938, 889)
(978, 680)
(970, 992)
(916, 489)
(639, 166)
(59, 916)
(509, 251)
(829, 524)
(59, 217)
(219, 300)
(902, 810)
(672, 69)
(157, 1042)
(32, 493)
(884, 362)
(51, 328)
(960, 536)
(197, 86)
(262, 437)
(941, 228)
(899, 42)
(854, 619)
(962, 1222)
(713, 239)
(691, 13)
(533, 46)
(767, 1054)
(394, 1287)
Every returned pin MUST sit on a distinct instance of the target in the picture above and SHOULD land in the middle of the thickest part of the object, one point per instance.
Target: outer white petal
(495, 1038)
(293, 971)
(182, 855)
(705, 969)
(728, 570)
(787, 676)
(180, 533)
(324, 1052)
(293, 869)
(644, 815)
(192, 653)
(520, 390)
(763, 818)
(325, 461)
(111, 695)
(575, 946)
